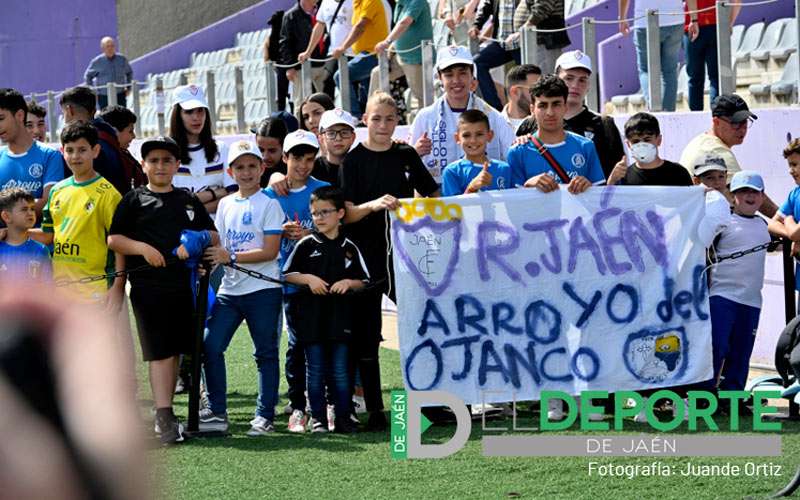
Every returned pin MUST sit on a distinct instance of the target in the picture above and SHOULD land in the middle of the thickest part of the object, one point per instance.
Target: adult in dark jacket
(575, 68)
(78, 104)
(272, 53)
(295, 34)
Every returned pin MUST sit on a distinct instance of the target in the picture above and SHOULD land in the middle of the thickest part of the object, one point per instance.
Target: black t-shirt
(158, 219)
(600, 129)
(668, 174)
(324, 317)
(366, 175)
(279, 167)
(326, 171)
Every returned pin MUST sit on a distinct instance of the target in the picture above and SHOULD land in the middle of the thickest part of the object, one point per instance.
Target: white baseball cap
(574, 59)
(708, 163)
(240, 148)
(299, 137)
(336, 116)
(452, 55)
(190, 97)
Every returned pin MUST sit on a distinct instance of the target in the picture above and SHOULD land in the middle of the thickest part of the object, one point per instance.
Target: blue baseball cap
(747, 179)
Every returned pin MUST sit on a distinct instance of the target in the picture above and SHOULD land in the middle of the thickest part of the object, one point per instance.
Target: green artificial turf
(333, 466)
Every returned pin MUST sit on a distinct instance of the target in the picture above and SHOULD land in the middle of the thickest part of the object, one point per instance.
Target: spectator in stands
(434, 128)
(369, 192)
(34, 121)
(202, 166)
(25, 163)
(270, 134)
(458, 16)
(337, 134)
(700, 40)
(519, 80)
(370, 26)
(730, 119)
(310, 111)
(412, 20)
(334, 22)
(575, 68)
(495, 53)
(545, 15)
(272, 53)
(78, 104)
(643, 135)
(670, 31)
(572, 159)
(108, 67)
(123, 120)
(298, 22)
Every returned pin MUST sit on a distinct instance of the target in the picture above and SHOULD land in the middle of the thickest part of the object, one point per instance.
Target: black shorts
(165, 321)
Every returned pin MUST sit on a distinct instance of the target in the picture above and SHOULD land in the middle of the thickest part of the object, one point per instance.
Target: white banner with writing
(517, 291)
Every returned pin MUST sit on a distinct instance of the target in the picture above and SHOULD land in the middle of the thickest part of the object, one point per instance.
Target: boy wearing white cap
(434, 129)
(575, 68)
(337, 132)
(735, 284)
(300, 149)
(202, 163)
(249, 225)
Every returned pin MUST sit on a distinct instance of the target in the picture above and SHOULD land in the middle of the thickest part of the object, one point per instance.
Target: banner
(517, 291)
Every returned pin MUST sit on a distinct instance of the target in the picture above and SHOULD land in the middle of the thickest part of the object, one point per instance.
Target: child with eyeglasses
(330, 265)
(337, 133)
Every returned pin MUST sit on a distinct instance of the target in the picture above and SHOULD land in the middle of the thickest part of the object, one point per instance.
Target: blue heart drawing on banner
(421, 246)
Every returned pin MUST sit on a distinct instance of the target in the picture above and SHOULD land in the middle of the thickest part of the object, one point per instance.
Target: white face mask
(644, 152)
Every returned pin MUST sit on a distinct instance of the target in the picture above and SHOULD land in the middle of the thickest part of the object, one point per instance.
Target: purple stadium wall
(216, 36)
(47, 45)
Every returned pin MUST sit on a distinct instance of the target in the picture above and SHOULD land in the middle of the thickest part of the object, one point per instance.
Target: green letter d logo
(418, 399)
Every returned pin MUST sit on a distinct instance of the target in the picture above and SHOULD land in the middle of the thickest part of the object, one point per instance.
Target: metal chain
(101, 277)
(742, 253)
(264, 277)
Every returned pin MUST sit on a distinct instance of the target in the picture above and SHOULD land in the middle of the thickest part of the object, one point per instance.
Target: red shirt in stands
(705, 18)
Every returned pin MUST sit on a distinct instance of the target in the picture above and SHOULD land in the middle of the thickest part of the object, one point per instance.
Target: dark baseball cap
(160, 142)
(732, 107)
(291, 122)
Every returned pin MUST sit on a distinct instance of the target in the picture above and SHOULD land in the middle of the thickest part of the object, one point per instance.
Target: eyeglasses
(736, 126)
(344, 134)
(319, 214)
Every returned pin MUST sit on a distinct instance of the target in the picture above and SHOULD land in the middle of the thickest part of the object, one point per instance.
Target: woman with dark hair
(311, 110)
(270, 134)
(202, 170)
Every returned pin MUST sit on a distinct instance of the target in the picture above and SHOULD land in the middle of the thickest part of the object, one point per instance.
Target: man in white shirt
(433, 131)
(519, 81)
(333, 17)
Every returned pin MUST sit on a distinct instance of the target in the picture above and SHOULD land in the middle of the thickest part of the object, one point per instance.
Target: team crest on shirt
(348, 259)
(501, 182)
(35, 170)
(247, 218)
(588, 134)
(89, 206)
(578, 160)
(190, 212)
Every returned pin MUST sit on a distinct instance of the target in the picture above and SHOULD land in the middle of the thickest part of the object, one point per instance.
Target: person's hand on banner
(578, 185)
(385, 202)
(484, 179)
(543, 182)
(424, 145)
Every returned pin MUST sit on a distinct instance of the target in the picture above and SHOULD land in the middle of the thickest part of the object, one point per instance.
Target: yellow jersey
(79, 216)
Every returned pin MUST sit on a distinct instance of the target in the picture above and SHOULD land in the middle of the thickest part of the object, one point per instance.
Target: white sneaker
(555, 410)
(297, 422)
(486, 409)
(360, 404)
(685, 410)
(260, 426)
(331, 414)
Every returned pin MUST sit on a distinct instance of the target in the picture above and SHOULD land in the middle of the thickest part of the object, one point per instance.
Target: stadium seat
(750, 41)
(736, 37)
(770, 41)
(786, 47)
(785, 90)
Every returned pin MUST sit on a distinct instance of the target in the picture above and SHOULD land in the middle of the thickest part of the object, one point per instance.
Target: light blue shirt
(33, 170)
(103, 70)
(457, 176)
(576, 155)
(28, 260)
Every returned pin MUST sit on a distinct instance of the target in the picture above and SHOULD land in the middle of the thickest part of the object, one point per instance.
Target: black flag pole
(200, 313)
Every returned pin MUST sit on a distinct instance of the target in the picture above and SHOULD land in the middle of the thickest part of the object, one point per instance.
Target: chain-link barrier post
(589, 34)
(344, 82)
(383, 71)
(272, 88)
(727, 75)
(111, 92)
(160, 99)
(427, 72)
(238, 79)
(654, 61)
(211, 96)
(136, 107)
(52, 116)
(528, 45)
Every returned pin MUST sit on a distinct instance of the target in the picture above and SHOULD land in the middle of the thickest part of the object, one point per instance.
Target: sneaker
(377, 421)
(555, 410)
(211, 421)
(345, 426)
(354, 419)
(170, 431)
(641, 417)
(331, 418)
(180, 386)
(685, 410)
(318, 427)
(359, 404)
(487, 409)
(260, 426)
(297, 422)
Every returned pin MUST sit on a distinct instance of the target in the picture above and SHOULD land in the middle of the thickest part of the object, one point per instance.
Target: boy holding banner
(554, 156)
(373, 176)
(476, 171)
